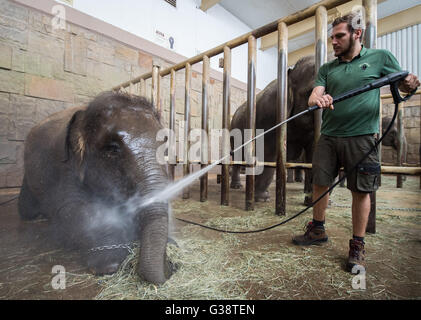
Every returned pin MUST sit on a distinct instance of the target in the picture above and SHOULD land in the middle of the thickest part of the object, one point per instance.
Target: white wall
(194, 31)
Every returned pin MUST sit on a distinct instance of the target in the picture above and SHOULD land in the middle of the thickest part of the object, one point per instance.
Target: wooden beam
(386, 25)
(308, 24)
(207, 4)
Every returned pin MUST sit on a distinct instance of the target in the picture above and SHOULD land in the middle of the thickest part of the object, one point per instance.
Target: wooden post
(155, 87)
(204, 153)
(251, 121)
(226, 111)
(320, 59)
(142, 87)
(281, 114)
(379, 147)
(370, 41)
(186, 166)
(173, 145)
(400, 151)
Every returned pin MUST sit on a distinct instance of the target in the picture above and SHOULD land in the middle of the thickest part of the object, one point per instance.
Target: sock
(358, 238)
(319, 223)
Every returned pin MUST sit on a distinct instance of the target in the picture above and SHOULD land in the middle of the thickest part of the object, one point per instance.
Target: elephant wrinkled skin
(83, 165)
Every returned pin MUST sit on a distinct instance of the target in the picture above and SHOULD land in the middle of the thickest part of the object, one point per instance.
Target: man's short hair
(354, 22)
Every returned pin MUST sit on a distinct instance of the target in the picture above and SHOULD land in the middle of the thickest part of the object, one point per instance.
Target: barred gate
(318, 10)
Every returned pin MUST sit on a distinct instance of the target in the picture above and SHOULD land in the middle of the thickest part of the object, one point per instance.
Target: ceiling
(257, 13)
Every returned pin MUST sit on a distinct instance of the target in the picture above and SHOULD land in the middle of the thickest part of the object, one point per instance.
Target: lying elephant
(83, 165)
(300, 131)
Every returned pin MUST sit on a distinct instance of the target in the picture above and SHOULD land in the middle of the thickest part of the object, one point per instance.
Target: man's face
(342, 40)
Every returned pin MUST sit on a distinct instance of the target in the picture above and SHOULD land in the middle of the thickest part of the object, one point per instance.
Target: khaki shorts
(332, 153)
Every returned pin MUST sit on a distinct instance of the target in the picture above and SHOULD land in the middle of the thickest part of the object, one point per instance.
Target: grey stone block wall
(43, 71)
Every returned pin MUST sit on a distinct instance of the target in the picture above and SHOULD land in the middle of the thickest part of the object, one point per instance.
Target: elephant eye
(112, 148)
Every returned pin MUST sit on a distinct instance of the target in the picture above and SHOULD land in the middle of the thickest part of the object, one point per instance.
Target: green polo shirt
(358, 115)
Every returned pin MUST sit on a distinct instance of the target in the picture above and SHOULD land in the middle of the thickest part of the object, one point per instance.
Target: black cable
(318, 199)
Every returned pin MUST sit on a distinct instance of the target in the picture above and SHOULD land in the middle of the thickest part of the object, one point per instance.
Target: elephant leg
(235, 177)
(98, 232)
(263, 182)
(28, 205)
(298, 175)
(342, 183)
(290, 175)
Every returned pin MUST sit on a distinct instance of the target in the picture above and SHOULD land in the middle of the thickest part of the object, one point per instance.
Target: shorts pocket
(368, 177)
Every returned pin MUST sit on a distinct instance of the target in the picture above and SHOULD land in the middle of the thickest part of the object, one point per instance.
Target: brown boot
(356, 255)
(313, 235)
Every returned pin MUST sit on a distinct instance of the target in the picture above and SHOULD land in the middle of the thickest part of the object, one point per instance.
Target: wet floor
(28, 255)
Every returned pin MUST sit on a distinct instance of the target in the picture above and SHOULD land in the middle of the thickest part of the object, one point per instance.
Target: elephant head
(111, 146)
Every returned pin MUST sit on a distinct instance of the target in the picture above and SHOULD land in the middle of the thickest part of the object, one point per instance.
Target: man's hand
(320, 99)
(409, 84)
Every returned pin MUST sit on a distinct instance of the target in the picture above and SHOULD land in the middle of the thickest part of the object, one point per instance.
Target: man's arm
(409, 84)
(319, 98)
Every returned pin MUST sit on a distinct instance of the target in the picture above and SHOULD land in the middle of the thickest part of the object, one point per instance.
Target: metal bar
(281, 115)
(204, 153)
(400, 151)
(370, 39)
(257, 33)
(249, 152)
(173, 143)
(226, 111)
(186, 167)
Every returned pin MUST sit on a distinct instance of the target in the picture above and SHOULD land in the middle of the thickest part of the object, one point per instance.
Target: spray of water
(173, 189)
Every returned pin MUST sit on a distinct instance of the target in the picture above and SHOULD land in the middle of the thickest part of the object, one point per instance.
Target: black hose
(318, 199)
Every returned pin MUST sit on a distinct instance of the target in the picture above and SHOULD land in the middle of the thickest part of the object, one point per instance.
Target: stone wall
(43, 71)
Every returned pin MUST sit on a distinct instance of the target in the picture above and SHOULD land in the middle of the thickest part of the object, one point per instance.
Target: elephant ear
(75, 143)
(290, 101)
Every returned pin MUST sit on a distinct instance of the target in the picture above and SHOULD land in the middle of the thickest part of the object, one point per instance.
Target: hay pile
(267, 266)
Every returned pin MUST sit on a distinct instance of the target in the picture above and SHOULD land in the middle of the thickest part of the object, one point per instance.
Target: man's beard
(347, 50)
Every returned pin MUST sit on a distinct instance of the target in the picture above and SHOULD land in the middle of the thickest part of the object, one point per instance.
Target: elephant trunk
(153, 266)
(153, 224)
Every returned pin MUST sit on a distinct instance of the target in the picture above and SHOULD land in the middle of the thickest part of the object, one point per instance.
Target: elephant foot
(308, 200)
(261, 196)
(173, 242)
(106, 262)
(236, 185)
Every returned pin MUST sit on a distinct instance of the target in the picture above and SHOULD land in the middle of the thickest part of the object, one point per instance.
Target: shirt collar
(362, 53)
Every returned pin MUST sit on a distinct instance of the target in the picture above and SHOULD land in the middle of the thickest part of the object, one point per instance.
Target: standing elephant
(83, 165)
(300, 131)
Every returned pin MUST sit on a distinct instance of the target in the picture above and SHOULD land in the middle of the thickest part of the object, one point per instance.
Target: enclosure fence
(320, 11)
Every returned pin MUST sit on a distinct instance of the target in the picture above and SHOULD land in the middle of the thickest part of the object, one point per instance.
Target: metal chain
(127, 246)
